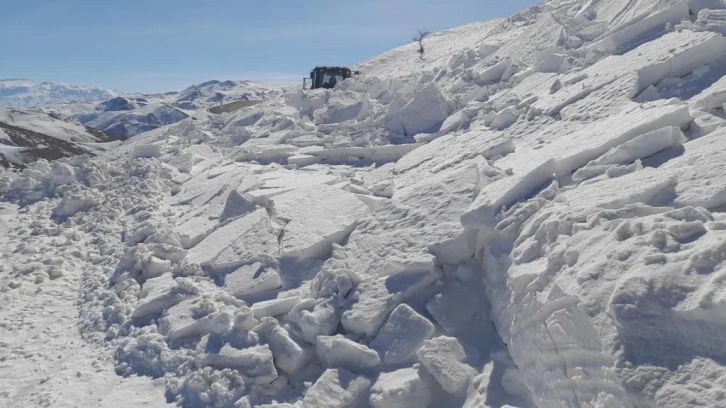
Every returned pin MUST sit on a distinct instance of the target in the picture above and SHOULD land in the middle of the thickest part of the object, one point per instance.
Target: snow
(253, 363)
(314, 218)
(547, 231)
(447, 359)
(336, 388)
(23, 93)
(407, 387)
(403, 334)
(340, 352)
(251, 280)
(147, 151)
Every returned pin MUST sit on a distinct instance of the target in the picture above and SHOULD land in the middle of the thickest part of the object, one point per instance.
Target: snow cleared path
(44, 359)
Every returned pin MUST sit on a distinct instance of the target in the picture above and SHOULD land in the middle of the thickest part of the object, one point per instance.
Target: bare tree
(419, 39)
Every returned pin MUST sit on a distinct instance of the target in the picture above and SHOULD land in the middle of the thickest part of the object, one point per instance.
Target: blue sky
(162, 45)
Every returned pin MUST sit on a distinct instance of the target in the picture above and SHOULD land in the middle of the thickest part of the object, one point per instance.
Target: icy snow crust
(532, 215)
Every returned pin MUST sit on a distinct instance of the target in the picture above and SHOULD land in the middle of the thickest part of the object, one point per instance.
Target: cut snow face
(530, 214)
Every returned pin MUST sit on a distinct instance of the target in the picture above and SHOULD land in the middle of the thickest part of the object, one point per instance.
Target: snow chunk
(700, 172)
(424, 113)
(251, 280)
(146, 151)
(448, 360)
(712, 20)
(316, 318)
(289, 355)
(255, 364)
(236, 205)
(403, 334)
(535, 168)
(188, 319)
(639, 187)
(340, 352)
(315, 218)
(74, 202)
(377, 298)
(243, 241)
(159, 294)
(274, 307)
(505, 118)
(405, 388)
(336, 388)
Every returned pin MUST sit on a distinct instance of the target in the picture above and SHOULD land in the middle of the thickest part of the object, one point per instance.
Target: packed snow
(531, 214)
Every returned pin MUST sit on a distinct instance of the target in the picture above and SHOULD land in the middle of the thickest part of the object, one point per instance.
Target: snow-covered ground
(531, 215)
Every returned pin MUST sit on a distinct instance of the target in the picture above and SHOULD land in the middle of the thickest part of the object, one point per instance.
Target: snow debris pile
(532, 215)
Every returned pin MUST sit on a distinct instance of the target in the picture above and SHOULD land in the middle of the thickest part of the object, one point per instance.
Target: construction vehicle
(328, 77)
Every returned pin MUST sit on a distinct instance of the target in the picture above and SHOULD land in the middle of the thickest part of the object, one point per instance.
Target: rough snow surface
(531, 214)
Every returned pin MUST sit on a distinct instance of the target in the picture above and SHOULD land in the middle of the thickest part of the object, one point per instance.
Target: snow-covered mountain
(127, 116)
(210, 93)
(22, 93)
(531, 214)
(26, 136)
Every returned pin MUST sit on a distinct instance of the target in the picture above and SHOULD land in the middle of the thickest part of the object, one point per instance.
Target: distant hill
(23, 93)
(26, 136)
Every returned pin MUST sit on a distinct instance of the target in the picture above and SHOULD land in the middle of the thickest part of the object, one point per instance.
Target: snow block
(315, 218)
(74, 202)
(710, 49)
(189, 319)
(639, 187)
(424, 113)
(342, 110)
(490, 74)
(700, 172)
(630, 31)
(377, 298)
(251, 279)
(255, 364)
(245, 240)
(236, 205)
(712, 20)
(336, 388)
(146, 151)
(289, 355)
(505, 118)
(340, 352)
(447, 360)
(316, 318)
(274, 307)
(405, 388)
(403, 334)
(159, 294)
(537, 167)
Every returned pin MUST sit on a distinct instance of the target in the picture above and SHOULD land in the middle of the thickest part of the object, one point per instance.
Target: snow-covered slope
(531, 215)
(22, 93)
(26, 136)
